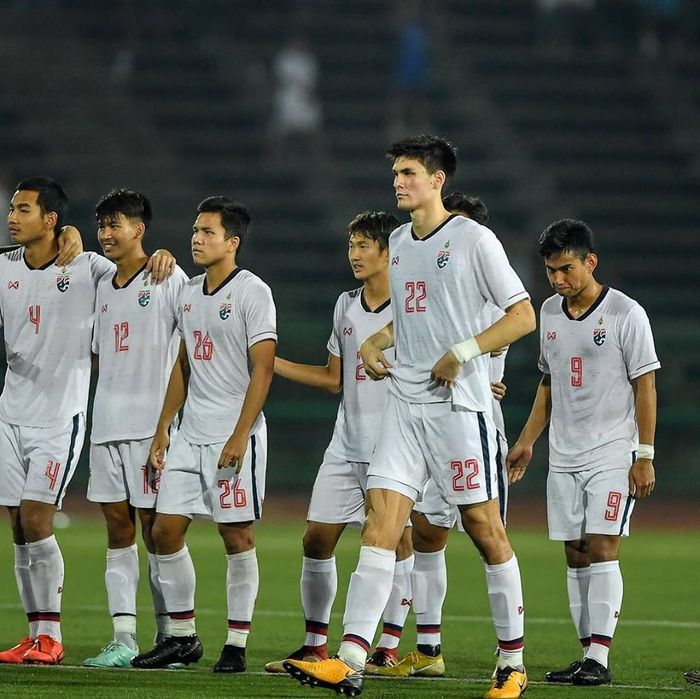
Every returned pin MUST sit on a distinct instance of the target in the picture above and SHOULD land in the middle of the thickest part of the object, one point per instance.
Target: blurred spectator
(567, 24)
(660, 30)
(409, 106)
(297, 114)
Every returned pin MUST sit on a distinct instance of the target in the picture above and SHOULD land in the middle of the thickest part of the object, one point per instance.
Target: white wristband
(645, 451)
(466, 351)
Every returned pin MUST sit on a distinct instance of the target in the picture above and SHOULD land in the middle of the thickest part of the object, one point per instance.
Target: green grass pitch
(657, 638)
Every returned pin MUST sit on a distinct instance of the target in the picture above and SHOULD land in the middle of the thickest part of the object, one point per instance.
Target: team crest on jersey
(443, 257)
(224, 311)
(599, 336)
(144, 298)
(63, 282)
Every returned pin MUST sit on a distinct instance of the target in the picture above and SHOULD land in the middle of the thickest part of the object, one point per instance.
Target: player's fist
(159, 446)
(233, 452)
(517, 461)
(376, 364)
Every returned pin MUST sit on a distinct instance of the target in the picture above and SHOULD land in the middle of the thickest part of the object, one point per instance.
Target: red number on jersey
(576, 372)
(121, 332)
(239, 496)
(53, 468)
(417, 294)
(150, 486)
(203, 347)
(465, 473)
(360, 369)
(35, 317)
(613, 509)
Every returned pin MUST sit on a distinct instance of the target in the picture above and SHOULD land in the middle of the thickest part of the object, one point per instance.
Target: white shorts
(338, 495)
(121, 471)
(440, 514)
(419, 440)
(37, 463)
(191, 483)
(596, 501)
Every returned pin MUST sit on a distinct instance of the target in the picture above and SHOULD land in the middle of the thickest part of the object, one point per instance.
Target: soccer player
(338, 496)
(598, 396)
(136, 341)
(444, 270)
(47, 312)
(433, 517)
(216, 465)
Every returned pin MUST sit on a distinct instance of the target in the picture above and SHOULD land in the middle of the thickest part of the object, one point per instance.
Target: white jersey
(136, 338)
(592, 361)
(362, 405)
(218, 328)
(47, 315)
(441, 288)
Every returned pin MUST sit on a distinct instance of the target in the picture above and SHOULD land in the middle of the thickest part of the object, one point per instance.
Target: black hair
(472, 207)
(123, 201)
(375, 225)
(567, 235)
(52, 198)
(235, 217)
(433, 152)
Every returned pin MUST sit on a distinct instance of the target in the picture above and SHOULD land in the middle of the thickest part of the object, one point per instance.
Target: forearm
(383, 339)
(255, 397)
(518, 321)
(308, 375)
(645, 408)
(175, 394)
(539, 414)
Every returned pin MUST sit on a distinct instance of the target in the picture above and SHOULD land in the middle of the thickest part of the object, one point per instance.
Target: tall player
(136, 341)
(217, 462)
(598, 395)
(338, 496)
(47, 312)
(433, 518)
(444, 269)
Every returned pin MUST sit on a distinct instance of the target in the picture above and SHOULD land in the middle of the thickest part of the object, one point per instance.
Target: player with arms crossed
(598, 395)
(338, 496)
(444, 270)
(216, 465)
(135, 338)
(433, 518)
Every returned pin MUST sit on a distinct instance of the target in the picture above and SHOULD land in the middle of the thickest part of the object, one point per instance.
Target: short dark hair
(567, 235)
(472, 207)
(433, 152)
(51, 197)
(375, 225)
(235, 217)
(124, 201)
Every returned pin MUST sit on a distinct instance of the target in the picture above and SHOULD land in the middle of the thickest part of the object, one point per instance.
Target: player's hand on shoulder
(233, 452)
(446, 370)
(642, 478)
(517, 461)
(159, 446)
(376, 364)
(70, 245)
(160, 266)
(498, 389)
(500, 351)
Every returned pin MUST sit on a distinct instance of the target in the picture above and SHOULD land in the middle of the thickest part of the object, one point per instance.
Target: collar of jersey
(432, 233)
(128, 281)
(206, 291)
(596, 303)
(36, 269)
(378, 309)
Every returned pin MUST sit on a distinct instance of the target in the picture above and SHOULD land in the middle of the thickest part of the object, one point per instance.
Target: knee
(405, 547)
(163, 538)
(316, 545)
(237, 539)
(35, 525)
(489, 537)
(121, 532)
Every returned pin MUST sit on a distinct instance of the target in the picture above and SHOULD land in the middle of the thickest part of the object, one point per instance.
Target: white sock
(46, 575)
(122, 581)
(178, 582)
(429, 582)
(370, 587)
(397, 607)
(159, 608)
(318, 584)
(506, 599)
(604, 605)
(577, 581)
(242, 582)
(24, 586)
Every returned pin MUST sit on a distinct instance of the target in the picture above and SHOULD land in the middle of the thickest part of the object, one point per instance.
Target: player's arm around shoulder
(520, 454)
(328, 378)
(642, 476)
(372, 352)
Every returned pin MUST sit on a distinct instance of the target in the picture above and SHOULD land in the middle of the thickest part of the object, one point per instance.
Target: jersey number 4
(415, 299)
(35, 317)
